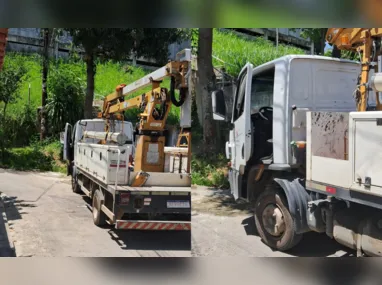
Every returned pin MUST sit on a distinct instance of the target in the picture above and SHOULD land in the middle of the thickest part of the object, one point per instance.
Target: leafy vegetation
(210, 171)
(66, 89)
(36, 157)
(236, 51)
(66, 97)
(11, 78)
(119, 44)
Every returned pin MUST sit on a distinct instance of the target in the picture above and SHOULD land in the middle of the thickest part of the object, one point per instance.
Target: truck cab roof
(289, 58)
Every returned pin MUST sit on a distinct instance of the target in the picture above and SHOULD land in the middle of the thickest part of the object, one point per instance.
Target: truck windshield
(261, 94)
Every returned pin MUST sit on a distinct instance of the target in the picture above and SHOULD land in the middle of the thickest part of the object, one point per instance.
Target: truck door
(241, 119)
(67, 155)
(241, 134)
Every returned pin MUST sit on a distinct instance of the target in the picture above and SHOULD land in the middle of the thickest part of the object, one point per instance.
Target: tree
(206, 84)
(317, 36)
(119, 44)
(48, 34)
(11, 78)
(45, 66)
(336, 52)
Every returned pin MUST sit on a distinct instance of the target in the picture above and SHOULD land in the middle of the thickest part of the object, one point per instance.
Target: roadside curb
(4, 219)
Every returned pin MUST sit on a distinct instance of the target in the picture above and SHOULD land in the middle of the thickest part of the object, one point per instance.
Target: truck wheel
(99, 217)
(274, 223)
(75, 186)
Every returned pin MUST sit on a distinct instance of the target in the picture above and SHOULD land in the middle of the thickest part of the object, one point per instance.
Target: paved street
(48, 220)
(223, 228)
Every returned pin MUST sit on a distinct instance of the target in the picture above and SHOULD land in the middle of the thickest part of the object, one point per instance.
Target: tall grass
(109, 74)
(236, 50)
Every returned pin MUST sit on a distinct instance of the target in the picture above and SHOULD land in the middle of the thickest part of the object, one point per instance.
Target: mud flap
(298, 200)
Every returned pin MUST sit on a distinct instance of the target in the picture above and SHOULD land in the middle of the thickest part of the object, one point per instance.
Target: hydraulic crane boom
(155, 106)
(368, 43)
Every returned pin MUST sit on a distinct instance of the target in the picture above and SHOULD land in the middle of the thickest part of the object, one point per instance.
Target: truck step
(153, 225)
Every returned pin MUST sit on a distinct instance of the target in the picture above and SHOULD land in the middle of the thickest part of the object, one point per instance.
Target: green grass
(210, 171)
(236, 51)
(108, 75)
(37, 157)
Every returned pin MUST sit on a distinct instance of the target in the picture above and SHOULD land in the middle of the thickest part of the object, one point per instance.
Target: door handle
(242, 151)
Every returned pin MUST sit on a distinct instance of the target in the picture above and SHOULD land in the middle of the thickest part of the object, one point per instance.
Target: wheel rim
(273, 220)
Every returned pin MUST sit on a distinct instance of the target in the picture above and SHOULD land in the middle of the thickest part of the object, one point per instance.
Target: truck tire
(99, 217)
(274, 222)
(75, 186)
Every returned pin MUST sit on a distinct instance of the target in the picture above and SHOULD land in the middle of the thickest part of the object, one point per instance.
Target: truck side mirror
(218, 106)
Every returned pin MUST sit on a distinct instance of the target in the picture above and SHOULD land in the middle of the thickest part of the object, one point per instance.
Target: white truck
(104, 173)
(302, 156)
(136, 180)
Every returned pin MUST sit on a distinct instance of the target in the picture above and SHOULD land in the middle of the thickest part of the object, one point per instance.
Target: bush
(210, 171)
(66, 93)
(43, 156)
(20, 128)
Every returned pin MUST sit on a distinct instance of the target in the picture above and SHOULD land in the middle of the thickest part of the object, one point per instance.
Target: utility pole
(44, 95)
(277, 38)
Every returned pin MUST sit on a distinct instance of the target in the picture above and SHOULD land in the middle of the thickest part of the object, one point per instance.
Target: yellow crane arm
(366, 42)
(155, 104)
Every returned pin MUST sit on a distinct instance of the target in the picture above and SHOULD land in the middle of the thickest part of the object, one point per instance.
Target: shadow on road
(220, 203)
(10, 209)
(15, 209)
(312, 244)
(152, 240)
(5, 245)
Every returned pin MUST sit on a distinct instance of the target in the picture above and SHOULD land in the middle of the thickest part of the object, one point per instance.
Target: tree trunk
(90, 74)
(4, 135)
(336, 52)
(44, 95)
(322, 41)
(207, 84)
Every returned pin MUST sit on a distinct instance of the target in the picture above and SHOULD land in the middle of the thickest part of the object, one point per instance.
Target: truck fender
(298, 199)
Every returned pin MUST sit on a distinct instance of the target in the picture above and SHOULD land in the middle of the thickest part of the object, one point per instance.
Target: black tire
(288, 238)
(99, 217)
(75, 186)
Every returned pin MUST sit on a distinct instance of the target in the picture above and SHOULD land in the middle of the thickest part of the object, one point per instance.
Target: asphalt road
(223, 228)
(47, 219)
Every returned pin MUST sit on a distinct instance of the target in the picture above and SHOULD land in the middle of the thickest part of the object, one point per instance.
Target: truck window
(239, 102)
(262, 91)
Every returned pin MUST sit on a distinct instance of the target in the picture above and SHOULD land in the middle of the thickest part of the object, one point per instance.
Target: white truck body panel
(101, 161)
(327, 146)
(160, 179)
(365, 151)
(326, 150)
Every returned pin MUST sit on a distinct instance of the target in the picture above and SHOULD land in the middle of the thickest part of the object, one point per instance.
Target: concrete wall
(286, 36)
(29, 40)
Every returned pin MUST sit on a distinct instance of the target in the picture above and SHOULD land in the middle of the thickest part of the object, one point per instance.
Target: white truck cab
(270, 105)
